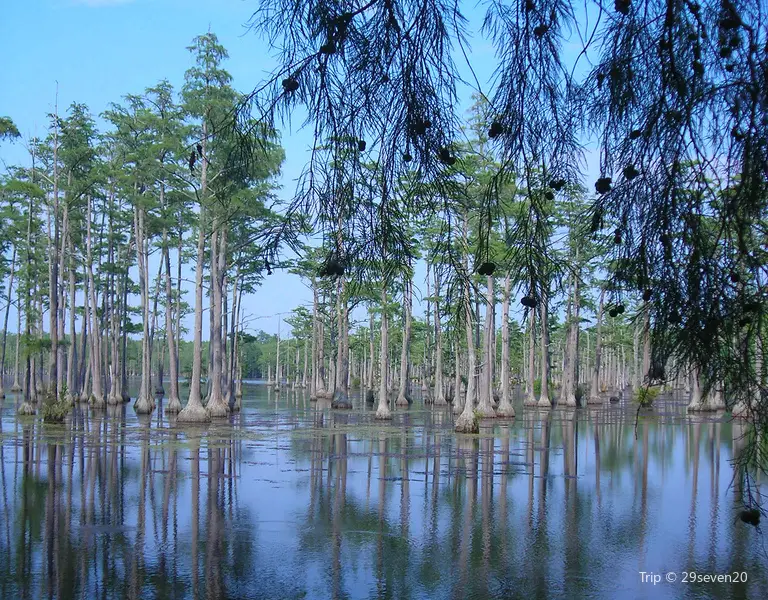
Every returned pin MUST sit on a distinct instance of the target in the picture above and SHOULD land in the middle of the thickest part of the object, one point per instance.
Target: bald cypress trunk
(403, 395)
(382, 411)
(544, 401)
(594, 395)
(5, 320)
(530, 393)
(144, 403)
(485, 398)
(97, 395)
(174, 402)
(439, 391)
(505, 408)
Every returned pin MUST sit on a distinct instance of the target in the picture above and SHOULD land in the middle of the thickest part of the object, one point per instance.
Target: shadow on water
(290, 499)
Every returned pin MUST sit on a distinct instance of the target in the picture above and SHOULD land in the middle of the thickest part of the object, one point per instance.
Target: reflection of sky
(577, 543)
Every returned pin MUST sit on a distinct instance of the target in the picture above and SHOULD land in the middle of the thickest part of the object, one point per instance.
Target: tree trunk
(369, 396)
(97, 395)
(505, 408)
(382, 411)
(403, 395)
(16, 387)
(341, 391)
(5, 320)
(439, 395)
(26, 407)
(544, 401)
(530, 393)
(194, 411)
(217, 405)
(570, 367)
(485, 397)
(466, 421)
(174, 402)
(72, 355)
(594, 394)
(144, 403)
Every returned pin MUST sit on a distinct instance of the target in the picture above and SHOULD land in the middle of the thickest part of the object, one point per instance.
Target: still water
(290, 499)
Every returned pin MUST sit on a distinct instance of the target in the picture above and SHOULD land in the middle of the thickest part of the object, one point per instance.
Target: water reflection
(293, 500)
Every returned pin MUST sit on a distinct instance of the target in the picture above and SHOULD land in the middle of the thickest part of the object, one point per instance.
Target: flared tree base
(143, 405)
(594, 400)
(402, 400)
(544, 402)
(341, 400)
(383, 413)
(505, 410)
(217, 408)
(193, 413)
(97, 402)
(467, 423)
(530, 400)
(174, 406)
(26, 409)
(485, 411)
(16, 388)
(114, 400)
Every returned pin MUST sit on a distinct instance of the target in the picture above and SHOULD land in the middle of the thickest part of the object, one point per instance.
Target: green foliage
(579, 393)
(8, 129)
(645, 396)
(55, 409)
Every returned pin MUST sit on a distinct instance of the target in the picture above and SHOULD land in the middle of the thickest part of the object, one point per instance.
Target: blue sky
(100, 50)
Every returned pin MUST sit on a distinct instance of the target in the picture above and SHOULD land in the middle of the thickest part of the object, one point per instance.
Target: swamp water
(290, 499)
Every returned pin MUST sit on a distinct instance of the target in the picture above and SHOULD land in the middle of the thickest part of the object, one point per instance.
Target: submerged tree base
(26, 409)
(341, 400)
(174, 405)
(97, 401)
(143, 405)
(595, 400)
(16, 388)
(530, 400)
(505, 410)
(114, 400)
(402, 400)
(193, 413)
(217, 408)
(467, 424)
(383, 413)
(544, 402)
(485, 411)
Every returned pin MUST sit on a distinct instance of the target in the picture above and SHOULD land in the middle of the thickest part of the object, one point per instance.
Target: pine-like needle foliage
(674, 92)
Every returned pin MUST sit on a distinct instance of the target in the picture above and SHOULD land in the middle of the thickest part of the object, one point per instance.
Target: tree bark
(97, 395)
(594, 394)
(466, 421)
(403, 395)
(505, 408)
(174, 402)
(382, 411)
(544, 401)
(485, 398)
(217, 405)
(439, 395)
(5, 320)
(530, 393)
(194, 411)
(144, 403)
